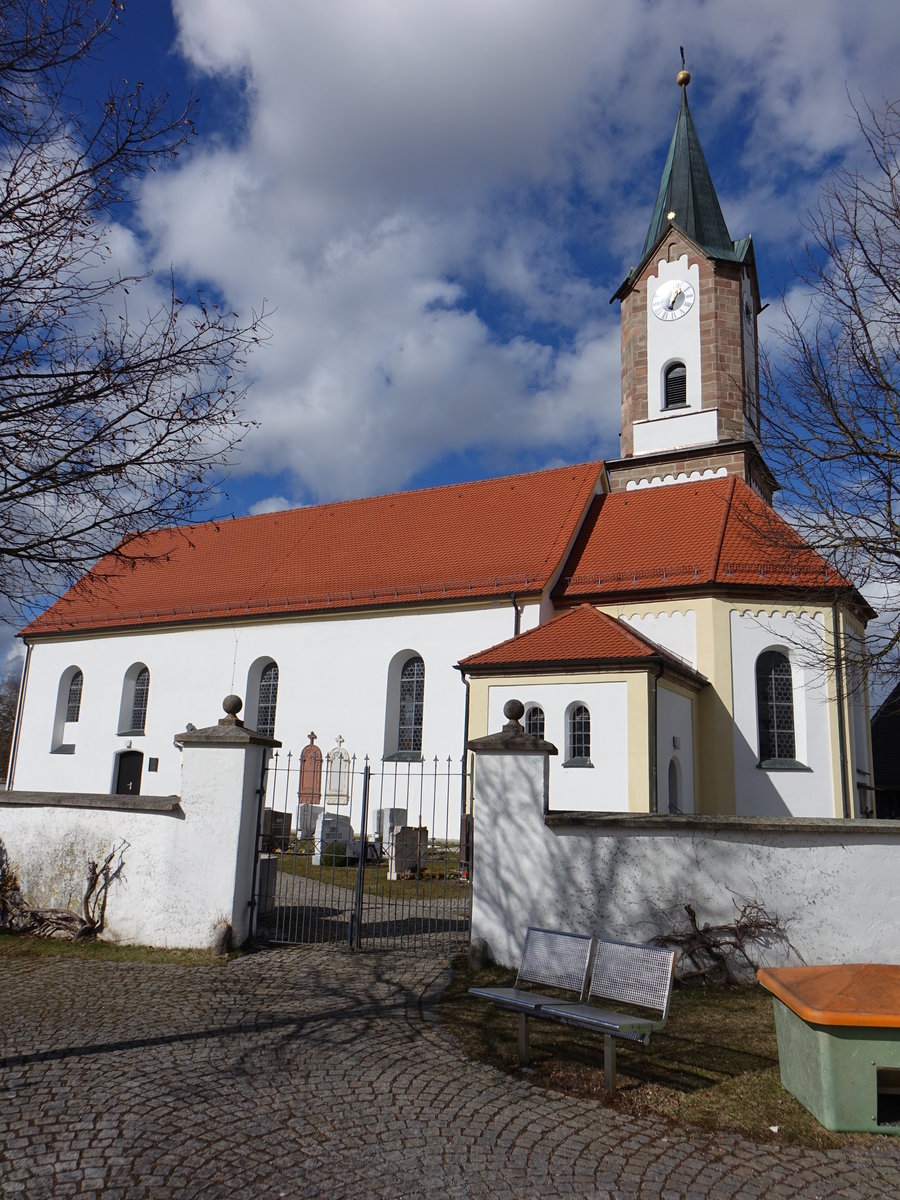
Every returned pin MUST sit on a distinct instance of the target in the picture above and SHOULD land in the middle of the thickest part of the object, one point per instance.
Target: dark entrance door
(128, 773)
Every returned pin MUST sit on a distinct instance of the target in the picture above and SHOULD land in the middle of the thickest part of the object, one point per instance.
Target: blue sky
(437, 200)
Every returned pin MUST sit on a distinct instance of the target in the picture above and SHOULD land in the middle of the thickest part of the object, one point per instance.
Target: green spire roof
(686, 190)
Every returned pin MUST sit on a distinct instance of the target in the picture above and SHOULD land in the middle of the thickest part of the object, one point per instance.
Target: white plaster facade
(674, 751)
(674, 630)
(333, 678)
(602, 786)
(807, 790)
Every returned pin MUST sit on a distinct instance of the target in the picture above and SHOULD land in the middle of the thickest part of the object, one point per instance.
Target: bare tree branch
(832, 386)
(117, 415)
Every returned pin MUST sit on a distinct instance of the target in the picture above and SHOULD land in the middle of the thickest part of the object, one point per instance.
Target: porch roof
(581, 639)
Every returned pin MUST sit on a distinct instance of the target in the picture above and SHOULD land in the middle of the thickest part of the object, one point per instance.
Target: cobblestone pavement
(314, 1072)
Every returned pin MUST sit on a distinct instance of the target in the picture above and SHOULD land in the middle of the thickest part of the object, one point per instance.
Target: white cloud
(269, 504)
(438, 199)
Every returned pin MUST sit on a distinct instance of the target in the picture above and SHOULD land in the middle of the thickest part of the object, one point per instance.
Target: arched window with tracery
(267, 700)
(73, 698)
(578, 736)
(139, 703)
(534, 720)
(412, 706)
(135, 696)
(775, 707)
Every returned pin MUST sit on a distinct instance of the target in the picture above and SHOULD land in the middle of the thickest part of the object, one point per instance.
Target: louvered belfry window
(775, 707)
(675, 386)
(412, 705)
(268, 699)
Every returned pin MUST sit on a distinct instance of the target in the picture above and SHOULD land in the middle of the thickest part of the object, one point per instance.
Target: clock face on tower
(672, 299)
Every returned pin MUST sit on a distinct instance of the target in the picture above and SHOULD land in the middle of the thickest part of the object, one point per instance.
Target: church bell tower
(690, 364)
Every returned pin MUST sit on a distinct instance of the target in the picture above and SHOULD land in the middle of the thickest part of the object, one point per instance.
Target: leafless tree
(833, 381)
(118, 409)
(9, 700)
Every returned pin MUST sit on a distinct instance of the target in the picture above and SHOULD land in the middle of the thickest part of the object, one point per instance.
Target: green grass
(14, 945)
(715, 1065)
(440, 881)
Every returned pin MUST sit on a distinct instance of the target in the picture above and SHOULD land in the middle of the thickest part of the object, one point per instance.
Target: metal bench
(550, 958)
(640, 976)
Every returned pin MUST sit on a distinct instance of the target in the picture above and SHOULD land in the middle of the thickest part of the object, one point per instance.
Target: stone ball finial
(232, 705)
(514, 710)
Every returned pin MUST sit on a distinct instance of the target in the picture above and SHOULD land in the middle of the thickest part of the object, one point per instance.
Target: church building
(665, 629)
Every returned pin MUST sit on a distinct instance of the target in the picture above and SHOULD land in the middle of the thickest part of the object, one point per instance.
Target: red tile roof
(464, 541)
(582, 637)
(689, 535)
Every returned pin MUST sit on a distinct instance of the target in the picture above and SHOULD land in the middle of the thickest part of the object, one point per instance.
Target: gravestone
(331, 829)
(337, 776)
(307, 818)
(410, 851)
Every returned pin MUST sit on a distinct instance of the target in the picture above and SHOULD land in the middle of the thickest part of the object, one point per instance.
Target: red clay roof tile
(716, 531)
(491, 537)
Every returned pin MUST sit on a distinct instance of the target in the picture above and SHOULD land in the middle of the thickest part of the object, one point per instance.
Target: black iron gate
(364, 856)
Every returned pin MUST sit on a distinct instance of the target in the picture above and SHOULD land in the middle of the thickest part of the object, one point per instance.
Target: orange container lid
(866, 994)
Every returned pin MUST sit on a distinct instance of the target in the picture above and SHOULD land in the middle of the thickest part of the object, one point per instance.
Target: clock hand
(675, 294)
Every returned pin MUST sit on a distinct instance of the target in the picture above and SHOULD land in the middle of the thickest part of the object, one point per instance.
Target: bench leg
(524, 1057)
(609, 1062)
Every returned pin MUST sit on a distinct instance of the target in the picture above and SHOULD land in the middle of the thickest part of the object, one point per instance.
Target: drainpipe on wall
(517, 622)
(839, 688)
(651, 737)
(465, 819)
(14, 749)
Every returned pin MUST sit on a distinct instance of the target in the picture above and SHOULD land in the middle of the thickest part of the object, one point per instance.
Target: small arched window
(675, 386)
(775, 707)
(73, 699)
(578, 736)
(68, 711)
(268, 700)
(412, 706)
(534, 721)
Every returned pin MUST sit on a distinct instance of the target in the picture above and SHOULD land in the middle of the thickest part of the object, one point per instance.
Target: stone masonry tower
(690, 366)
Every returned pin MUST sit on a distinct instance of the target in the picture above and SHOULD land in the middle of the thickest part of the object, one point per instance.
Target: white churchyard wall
(833, 884)
(187, 859)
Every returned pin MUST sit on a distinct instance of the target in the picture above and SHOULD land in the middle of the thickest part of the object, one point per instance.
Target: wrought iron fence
(368, 855)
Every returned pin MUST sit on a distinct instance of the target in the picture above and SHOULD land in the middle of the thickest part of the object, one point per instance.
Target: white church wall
(603, 786)
(333, 676)
(631, 882)
(808, 791)
(675, 631)
(674, 751)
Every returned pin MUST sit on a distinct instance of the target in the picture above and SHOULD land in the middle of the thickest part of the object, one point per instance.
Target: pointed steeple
(686, 194)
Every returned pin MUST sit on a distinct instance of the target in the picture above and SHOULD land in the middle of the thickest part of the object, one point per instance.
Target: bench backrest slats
(554, 959)
(629, 974)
